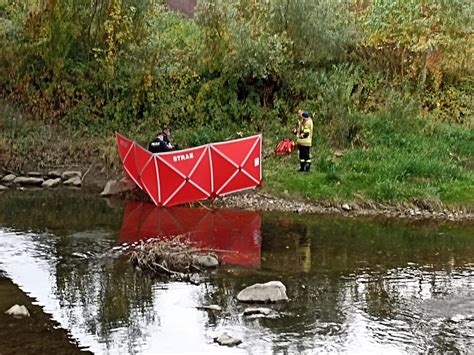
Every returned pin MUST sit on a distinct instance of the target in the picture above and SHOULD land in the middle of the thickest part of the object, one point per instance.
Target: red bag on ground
(286, 146)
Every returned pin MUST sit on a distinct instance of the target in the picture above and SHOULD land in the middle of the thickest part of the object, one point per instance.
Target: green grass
(401, 162)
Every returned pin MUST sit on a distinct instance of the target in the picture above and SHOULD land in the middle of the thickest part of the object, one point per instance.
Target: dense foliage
(117, 64)
(368, 70)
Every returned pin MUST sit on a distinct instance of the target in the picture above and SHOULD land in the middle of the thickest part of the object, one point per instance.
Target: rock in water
(272, 291)
(227, 340)
(253, 311)
(18, 311)
(114, 187)
(207, 261)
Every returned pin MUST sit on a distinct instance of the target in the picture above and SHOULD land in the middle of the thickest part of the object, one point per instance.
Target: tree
(413, 38)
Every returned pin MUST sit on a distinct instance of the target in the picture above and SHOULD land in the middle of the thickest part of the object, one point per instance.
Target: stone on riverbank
(30, 181)
(264, 202)
(115, 187)
(9, 178)
(227, 340)
(273, 291)
(74, 181)
(3, 188)
(35, 174)
(51, 182)
(18, 311)
(346, 207)
(54, 174)
(70, 174)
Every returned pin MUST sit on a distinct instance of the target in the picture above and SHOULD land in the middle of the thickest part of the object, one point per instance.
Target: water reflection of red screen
(234, 234)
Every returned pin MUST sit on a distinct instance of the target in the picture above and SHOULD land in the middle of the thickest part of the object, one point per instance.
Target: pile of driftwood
(177, 257)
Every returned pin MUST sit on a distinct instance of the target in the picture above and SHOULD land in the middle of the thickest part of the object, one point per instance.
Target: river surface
(358, 286)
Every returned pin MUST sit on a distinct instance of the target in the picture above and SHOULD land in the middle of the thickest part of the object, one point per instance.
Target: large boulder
(273, 291)
(115, 187)
(30, 181)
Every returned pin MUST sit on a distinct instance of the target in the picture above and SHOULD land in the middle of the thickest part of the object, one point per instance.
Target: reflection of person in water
(303, 247)
(304, 250)
(297, 235)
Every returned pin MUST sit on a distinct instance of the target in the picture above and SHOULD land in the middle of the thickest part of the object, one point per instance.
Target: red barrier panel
(194, 174)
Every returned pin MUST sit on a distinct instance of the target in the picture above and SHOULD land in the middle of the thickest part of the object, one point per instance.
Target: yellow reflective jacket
(304, 133)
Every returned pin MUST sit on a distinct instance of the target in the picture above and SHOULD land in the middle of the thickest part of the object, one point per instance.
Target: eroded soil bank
(37, 334)
(261, 201)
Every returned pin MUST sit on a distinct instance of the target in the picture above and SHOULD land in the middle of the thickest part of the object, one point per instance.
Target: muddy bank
(259, 201)
(37, 334)
(256, 200)
(264, 201)
(94, 178)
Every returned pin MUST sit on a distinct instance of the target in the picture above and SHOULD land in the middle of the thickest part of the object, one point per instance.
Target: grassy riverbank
(425, 163)
(420, 162)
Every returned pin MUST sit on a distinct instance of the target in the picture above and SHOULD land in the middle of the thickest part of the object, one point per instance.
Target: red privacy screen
(194, 174)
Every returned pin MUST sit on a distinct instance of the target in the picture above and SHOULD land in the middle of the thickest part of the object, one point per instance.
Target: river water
(355, 285)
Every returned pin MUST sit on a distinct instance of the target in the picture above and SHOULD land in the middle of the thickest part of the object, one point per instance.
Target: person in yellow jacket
(304, 139)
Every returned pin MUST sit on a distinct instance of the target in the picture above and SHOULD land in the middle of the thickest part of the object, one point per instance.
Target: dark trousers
(305, 155)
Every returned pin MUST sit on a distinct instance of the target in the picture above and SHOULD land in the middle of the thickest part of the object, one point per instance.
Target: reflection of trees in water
(416, 307)
(380, 271)
(103, 294)
(358, 246)
(286, 246)
(60, 211)
(333, 271)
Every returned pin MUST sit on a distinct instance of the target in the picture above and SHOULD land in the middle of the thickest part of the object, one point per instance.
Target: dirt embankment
(260, 201)
(95, 176)
(37, 334)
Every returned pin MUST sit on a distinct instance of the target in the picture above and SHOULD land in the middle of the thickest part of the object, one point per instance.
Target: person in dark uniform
(166, 132)
(159, 145)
